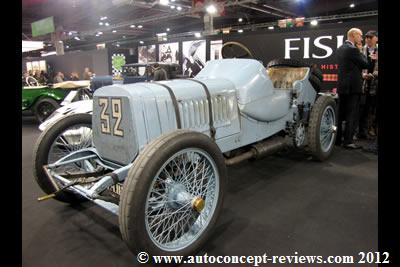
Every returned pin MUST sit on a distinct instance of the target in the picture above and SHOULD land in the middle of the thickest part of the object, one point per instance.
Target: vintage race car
(43, 100)
(158, 151)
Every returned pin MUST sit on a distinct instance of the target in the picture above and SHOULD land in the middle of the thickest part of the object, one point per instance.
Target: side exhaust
(259, 150)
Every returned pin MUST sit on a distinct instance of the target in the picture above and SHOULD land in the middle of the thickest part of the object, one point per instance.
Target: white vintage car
(157, 153)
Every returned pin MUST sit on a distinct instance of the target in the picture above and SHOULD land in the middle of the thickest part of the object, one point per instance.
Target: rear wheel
(322, 127)
(44, 107)
(64, 136)
(173, 194)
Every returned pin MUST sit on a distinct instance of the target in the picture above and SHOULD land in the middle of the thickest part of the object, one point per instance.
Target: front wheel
(173, 194)
(59, 139)
(322, 127)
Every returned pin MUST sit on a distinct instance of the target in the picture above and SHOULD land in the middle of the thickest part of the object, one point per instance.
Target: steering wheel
(235, 50)
(31, 81)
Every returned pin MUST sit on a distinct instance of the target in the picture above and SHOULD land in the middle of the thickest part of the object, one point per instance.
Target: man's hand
(374, 56)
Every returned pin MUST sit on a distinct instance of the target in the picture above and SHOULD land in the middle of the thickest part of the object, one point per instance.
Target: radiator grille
(195, 113)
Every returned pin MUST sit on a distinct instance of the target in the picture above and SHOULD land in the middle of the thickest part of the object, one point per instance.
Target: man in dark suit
(351, 62)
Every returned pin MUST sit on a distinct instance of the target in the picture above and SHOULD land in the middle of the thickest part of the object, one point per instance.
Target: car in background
(43, 100)
(143, 72)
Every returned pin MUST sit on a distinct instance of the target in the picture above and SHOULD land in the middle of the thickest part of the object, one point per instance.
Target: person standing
(368, 103)
(86, 74)
(59, 78)
(159, 73)
(351, 62)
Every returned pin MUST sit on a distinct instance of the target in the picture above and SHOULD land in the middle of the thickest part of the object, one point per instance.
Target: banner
(42, 27)
(311, 45)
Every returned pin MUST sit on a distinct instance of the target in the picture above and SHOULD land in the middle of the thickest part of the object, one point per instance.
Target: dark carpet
(278, 205)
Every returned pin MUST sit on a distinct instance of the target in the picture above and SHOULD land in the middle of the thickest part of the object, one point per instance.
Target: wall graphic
(215, 49)
(169, 53)
(194, 57)
(147, 53)
(315, 45)
(117, 61)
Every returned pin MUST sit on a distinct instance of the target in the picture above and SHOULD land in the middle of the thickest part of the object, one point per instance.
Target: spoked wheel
(59, 139)
(322, 127)
(172, 196)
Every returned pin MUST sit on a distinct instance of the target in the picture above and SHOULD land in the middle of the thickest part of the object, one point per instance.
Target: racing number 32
(116, 113)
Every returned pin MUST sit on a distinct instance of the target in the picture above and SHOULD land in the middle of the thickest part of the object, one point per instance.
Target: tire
(44, 107)
(44, 146)
(324, 108)
(315, 82)
(135, 225)
(286, 63)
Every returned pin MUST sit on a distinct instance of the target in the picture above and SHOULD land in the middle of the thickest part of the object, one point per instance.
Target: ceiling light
(172, 0)
(164, 2)
(172, 7)
(100, 23)
(107, 24)
(97, 35)
(67, 46)
(161, 34)
(141, 42)
(103, 18)
(60, 42)
(179, 8)
(314, 22)
(100, 33)
(140, 26)
(124, 36)
(197, 35)
(270, 27)
(167, 29)
(240, 19)
(117, 45)
(133, 26)
(164, 38)
(240, 31)
(77, 38)
(70, 33)
(352, 5)
(114, 31)
(211, 9)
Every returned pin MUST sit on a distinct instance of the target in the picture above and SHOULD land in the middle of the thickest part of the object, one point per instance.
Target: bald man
(351, 62)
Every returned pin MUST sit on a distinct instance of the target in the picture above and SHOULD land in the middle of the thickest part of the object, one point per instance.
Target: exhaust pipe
(259, 150)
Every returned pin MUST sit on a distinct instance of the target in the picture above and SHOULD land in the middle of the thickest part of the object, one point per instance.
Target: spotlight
(211, 9)
(240, 19)
(314, 22)
(179, 8)
(140, 26)
(100, 23)
(133, 26)
(352, 5)
(240, 31)
(270, 27)
(141, 42)
(164, 2)
(114, 31)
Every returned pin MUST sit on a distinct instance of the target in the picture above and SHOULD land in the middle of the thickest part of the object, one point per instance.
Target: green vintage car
(42, 100)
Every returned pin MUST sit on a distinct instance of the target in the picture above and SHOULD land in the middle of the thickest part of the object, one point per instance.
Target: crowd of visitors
(358, 89)
(35, 78)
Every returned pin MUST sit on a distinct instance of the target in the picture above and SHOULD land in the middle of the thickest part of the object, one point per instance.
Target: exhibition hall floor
(279, 205)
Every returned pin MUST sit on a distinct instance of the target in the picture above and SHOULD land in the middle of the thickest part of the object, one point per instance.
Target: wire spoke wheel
(327, 129)
(59, 139)
(322, 127)
(70, 140)
(173, 194)
(181, 199)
